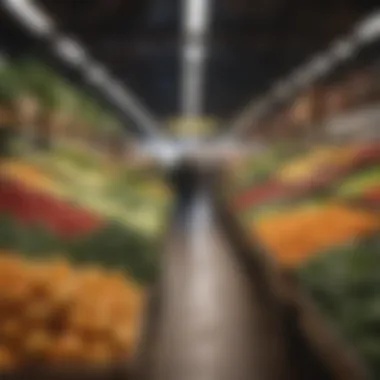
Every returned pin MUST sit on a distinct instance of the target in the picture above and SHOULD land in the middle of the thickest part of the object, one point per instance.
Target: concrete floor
(211, 327)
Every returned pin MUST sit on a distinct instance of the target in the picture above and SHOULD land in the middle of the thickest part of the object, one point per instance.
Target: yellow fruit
(7, 359)
(27, 174)
(36, 343)
(65, 348)
(55, 313)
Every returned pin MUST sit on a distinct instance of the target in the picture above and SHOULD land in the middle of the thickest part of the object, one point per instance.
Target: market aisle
(212, 327)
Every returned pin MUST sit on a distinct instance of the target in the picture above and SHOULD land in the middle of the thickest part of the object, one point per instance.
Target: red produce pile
(267, 191)
(367, 154)
(373, 194)
(28, 206)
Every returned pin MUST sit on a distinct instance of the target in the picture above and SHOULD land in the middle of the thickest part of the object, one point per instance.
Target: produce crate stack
(318, 214)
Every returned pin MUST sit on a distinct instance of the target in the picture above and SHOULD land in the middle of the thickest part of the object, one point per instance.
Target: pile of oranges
(52, 313)
(292, 236)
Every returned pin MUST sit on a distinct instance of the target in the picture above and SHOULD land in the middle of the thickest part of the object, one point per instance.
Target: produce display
(135, 202)
(344, 281)
(295, 222)
(362, 187)
(324, 171)
(308, 166)
(318, 214)
(51, 313)
(261, 194)
(43, 215)
(65, 186)
(296, 234)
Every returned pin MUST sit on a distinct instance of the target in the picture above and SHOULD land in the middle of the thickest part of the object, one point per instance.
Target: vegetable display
(294, 235)
(75, 194)
(344, 281)
(330, 235)
(51, 313)
(72, 200)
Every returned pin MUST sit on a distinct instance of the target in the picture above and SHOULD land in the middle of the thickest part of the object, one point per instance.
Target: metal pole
(195, 24)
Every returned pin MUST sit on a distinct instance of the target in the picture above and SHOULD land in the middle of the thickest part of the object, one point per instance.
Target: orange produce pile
(51, 313)
(27, 174)
(295, 235)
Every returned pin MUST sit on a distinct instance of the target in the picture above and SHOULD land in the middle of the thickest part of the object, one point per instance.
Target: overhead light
(33, 18)
(366, 32)
(96, 74)
(319, 66)
(343, 49)
(196, 16)
(127, 102)
(301, 77)
(263, 106)
(193, 53)
(70, 51)
(116, 92)
(369, 29)
(281, 90)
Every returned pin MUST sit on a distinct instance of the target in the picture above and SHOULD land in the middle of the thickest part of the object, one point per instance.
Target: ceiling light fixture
(35, 20)
(70, 51)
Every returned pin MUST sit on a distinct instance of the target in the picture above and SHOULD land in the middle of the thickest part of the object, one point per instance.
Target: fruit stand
(62, 209)
(78, 228)
(81, 229)
(318, 214)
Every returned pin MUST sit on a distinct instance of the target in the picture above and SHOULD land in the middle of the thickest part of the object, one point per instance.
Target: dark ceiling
(251, 46)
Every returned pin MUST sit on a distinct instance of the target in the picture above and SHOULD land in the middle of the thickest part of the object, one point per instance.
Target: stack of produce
(344, 281)
(372, 195)
(319, 168)
(326, 173)
(25, 173)
(362, 187)
(52, 313)
(31, 206)
(367, 154)
(296, 234)
(317, 227)
(67, 199)
(263, 193)
(308, 175)
(45, 108)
